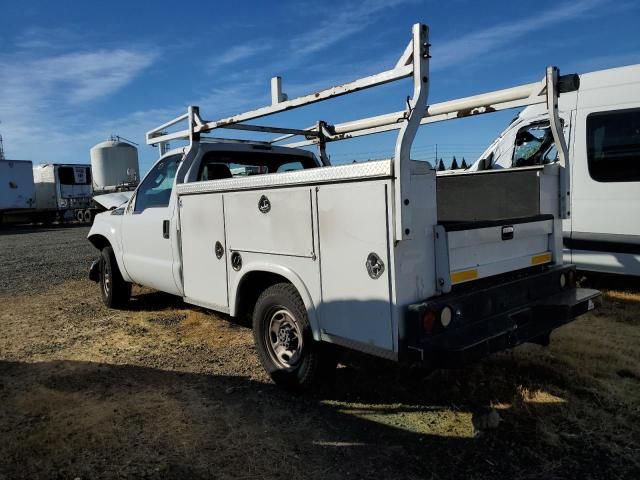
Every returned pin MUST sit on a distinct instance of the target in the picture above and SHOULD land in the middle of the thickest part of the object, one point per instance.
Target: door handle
(165, 228)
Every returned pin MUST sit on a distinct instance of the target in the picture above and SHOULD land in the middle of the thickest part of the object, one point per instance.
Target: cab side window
(613, 146)
(155, 189)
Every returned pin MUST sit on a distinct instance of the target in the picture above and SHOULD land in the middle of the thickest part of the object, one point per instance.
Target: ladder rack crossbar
(232, 140)
(157, 135)
(505, 99)
(260, 128)
(168, 124)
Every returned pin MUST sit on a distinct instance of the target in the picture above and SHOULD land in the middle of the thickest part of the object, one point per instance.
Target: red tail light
(428, 320)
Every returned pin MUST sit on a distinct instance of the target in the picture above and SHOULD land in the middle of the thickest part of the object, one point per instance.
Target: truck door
(204, 250)
(147, 230)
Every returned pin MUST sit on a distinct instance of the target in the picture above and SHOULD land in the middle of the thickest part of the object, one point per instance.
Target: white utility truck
(601, 124)
(381, 257)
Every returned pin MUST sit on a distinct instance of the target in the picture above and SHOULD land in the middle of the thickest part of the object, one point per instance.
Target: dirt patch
(165, 390)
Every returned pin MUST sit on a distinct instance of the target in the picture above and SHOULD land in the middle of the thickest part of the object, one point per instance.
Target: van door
(606, 190)
(148, 252)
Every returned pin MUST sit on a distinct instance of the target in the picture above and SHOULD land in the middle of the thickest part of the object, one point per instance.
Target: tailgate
(467, 251)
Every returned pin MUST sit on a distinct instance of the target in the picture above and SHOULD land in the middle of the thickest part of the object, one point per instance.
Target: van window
(613, 146)
(534, 146)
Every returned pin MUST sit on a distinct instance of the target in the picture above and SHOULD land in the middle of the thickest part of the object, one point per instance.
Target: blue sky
(72, 73)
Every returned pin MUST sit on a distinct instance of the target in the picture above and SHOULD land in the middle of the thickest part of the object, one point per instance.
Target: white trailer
(62, 190)
(369, 256)
(601, 123)
(16, 187)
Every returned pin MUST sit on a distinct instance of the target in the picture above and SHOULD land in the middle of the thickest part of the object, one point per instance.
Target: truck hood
(112, 200)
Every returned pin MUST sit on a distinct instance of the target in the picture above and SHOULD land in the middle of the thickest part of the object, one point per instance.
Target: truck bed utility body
(376, 256)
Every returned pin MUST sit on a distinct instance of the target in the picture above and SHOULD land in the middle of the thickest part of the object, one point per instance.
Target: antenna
(120, 139)
(2, 157)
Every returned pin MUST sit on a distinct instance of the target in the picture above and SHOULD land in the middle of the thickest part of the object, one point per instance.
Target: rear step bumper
(495, 318)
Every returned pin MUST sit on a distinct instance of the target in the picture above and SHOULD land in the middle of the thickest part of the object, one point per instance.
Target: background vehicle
(370, 256)
(50, 192)
(16, 187)
(62, 190)
(601, 124)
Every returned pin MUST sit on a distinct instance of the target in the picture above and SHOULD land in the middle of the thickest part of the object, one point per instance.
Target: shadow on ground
(79, 419)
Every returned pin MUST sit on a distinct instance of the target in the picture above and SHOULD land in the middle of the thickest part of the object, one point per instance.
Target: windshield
(534, 146)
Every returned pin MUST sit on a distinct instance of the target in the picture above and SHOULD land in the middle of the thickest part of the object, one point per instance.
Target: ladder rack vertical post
(322, 143)
(416, 108)
(193, 135)
(277, 95)
(558, 137)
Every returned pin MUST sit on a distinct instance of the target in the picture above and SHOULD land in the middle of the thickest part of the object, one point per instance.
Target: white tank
(114, 163)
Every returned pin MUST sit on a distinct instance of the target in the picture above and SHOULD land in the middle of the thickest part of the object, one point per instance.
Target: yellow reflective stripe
(542, 258)
(464, 276)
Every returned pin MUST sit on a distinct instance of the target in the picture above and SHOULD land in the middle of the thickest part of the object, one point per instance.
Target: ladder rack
(414, 62)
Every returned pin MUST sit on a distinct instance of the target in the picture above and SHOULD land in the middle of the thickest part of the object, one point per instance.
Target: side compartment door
(204, 250)
(353, 229)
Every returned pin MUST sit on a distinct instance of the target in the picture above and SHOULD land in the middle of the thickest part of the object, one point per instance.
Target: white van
(601, 124)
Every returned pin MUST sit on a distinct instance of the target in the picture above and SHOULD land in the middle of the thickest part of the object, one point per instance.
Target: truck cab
(147, 226)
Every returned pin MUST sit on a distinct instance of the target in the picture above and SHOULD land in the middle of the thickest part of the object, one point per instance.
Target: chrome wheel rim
(105, 277)
(283, 338)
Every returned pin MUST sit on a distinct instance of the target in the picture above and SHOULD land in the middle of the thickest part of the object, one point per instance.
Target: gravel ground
(164, 390)
(36, 258)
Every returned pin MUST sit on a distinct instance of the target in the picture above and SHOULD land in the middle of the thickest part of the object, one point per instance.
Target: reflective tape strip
(541, 258)
(464, 276)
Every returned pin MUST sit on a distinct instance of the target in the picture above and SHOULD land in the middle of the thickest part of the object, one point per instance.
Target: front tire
(283, 338)
(115, 291)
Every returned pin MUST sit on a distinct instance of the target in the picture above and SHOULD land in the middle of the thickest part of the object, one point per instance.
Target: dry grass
(168, 391)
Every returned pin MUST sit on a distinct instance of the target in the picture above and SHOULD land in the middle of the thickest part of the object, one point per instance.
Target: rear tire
(114, 290)
(284, 341)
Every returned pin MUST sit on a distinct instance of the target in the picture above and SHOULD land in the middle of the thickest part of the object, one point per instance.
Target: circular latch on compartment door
(236, 261)
(264, 204)
(219, 249)
(375, 265)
